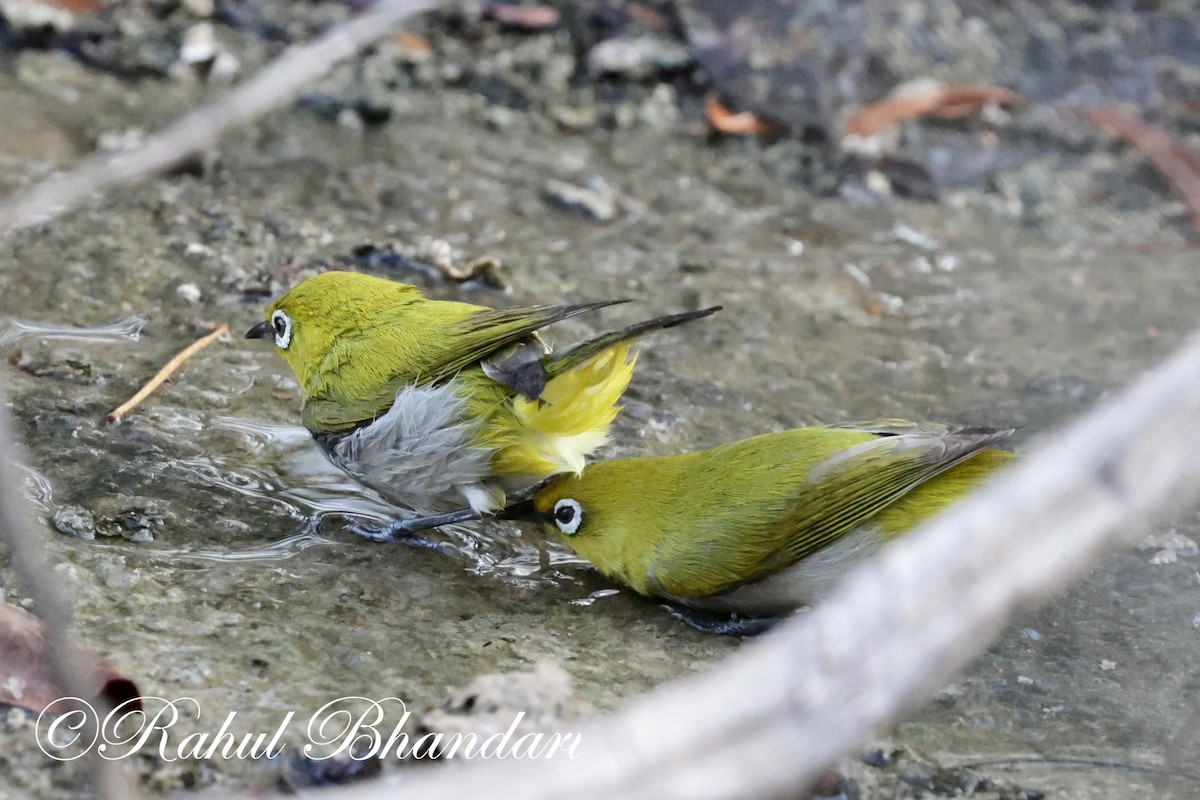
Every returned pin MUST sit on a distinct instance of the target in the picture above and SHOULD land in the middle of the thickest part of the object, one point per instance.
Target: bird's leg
(404, 529)
(388, 534)
(722, 624)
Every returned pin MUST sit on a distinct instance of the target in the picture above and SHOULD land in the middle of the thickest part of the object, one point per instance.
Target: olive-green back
(703, 523)
(357, 340)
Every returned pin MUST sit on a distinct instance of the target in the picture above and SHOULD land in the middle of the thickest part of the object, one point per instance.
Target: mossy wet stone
(75, 521)
(133, 518)
(301, 771)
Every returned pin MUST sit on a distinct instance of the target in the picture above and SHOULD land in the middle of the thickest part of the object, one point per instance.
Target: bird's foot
(722, 624)
(390, 533)
(406, 529)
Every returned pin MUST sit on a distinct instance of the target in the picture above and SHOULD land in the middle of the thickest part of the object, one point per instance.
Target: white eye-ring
(568, 515)
(281, 324)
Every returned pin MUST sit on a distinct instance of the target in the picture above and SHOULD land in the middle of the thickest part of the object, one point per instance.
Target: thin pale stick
(270, 88)
(113, 780)
(167, 371)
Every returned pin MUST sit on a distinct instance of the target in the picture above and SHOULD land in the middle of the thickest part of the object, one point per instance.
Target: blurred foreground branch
(28, 558)
(270, 88)
(767, 721)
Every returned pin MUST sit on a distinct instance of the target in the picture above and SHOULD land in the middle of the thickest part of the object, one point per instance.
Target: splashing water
(292, 475)
(128, 329)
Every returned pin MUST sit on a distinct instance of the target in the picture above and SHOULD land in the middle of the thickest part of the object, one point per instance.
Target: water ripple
(128, 329)
(284, 469)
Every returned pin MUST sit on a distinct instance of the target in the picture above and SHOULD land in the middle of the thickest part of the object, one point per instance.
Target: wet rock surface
(202, 539)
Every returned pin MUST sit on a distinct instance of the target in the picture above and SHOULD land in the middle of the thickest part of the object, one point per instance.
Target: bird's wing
(436, 352)
(580, 353)
(838, 495)
(483, 334)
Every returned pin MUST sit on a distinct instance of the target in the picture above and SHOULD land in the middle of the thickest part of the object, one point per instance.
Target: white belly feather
(801, 584)
(421, 453)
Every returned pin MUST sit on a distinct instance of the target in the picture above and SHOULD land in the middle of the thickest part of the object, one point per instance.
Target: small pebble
(75, 521)
(1069, 386)
(637, 57)
(878, 183)
(1175, 542)
(199, 44)
(302, 772)
(917, 238)
(661, 108)
(198, 249)
(190, 292)
(34, 15)
(948, 697)
(200, 8)
(499, 118)
(828, 784)
(124, 139)
(350, 120)
(201, 55)
(572, 119)
(1164, 557)
(596, 201)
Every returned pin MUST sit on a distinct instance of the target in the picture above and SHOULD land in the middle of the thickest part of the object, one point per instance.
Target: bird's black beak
(260, 331)
(523, 511)
(521, 507)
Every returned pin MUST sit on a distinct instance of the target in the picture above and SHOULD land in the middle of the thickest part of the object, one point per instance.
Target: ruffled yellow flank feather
(556, 432)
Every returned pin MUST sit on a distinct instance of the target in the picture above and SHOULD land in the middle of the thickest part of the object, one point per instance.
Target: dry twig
(74, 676)
(26, 663)
(743, 123)
(947, 102)
(270, 88)
(1175, 160)
(167, 371)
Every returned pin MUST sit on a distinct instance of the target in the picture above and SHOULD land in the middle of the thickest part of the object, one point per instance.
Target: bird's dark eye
(568, 515)
(281, 324)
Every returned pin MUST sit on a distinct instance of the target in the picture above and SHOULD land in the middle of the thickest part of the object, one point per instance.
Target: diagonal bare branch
(270, 88)
(29, 560)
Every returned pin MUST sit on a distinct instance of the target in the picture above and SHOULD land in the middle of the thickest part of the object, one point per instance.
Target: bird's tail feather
(571, 415)
(570, 359)
(571, 418)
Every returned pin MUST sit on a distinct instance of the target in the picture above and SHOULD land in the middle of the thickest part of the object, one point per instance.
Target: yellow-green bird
(762, 525)
(437, 404)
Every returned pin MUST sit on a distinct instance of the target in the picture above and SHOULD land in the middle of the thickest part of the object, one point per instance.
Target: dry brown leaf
(413, 43)
(948, 102)
(26, 674)
(743, 123)
(1176, 161)
(647, 16)
(76, 6)
(526, 18)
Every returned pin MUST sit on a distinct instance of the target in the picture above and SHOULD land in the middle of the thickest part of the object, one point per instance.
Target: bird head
(307, 321)
(596, 513)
